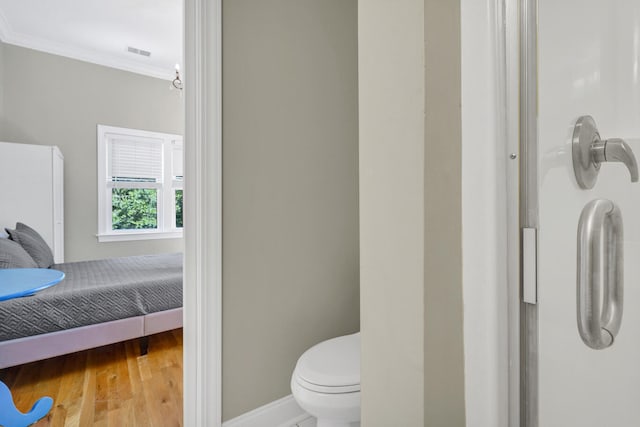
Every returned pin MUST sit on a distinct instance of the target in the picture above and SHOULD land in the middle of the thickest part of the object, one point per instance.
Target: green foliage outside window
(179, 208)
(134, 208)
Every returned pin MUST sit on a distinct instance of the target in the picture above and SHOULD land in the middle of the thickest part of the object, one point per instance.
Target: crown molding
(8, 36)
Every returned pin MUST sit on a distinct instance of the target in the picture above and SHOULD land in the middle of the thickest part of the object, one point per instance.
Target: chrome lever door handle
(600, 275)
(589, 151)
(615, 150)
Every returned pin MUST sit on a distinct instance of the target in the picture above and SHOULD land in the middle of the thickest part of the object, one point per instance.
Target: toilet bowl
(326, 382)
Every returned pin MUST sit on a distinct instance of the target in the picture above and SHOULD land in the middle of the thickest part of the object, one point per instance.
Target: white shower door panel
(589, 64)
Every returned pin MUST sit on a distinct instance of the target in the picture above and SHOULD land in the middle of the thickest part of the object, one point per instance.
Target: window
(140, 184)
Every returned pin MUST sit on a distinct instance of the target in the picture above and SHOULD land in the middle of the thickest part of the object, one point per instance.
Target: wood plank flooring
(106, 386)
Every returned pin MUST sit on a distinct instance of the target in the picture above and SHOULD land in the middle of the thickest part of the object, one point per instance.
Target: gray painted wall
(290, 189)
(1, 89)
(392, 211)
(53, 100)
(410, 220)
(444, 381)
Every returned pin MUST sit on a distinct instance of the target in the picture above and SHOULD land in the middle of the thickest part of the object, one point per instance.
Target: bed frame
(39, 347)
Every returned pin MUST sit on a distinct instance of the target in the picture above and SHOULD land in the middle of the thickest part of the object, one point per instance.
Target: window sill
(128, 236)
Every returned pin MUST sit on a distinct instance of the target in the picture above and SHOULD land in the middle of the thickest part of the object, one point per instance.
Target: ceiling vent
(138, 51)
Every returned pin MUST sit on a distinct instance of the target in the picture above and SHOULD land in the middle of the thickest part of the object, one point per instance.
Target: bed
(98, 303)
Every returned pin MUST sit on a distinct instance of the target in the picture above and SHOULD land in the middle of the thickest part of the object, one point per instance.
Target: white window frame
(165, 203)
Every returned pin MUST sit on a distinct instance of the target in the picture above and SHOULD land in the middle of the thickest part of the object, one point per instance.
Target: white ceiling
(99, 31)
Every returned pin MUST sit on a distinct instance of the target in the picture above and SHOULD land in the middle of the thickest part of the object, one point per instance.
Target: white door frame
(491, 231)
(526, 336)
(203, 214)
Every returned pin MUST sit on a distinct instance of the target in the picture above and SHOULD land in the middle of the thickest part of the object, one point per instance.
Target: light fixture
(177, 82)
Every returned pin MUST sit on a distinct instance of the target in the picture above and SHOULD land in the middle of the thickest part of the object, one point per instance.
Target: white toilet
(326, 382)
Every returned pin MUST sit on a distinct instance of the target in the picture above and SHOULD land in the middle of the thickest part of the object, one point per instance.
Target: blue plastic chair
(11, 417)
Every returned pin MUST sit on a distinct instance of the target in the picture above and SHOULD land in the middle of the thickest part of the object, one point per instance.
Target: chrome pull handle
(600, 278)
(589, 151)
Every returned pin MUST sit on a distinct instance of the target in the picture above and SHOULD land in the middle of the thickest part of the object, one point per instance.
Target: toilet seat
(331, 367)
(353, 388)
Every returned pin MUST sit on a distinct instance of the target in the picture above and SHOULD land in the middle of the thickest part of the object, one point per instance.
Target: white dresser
(32, 191)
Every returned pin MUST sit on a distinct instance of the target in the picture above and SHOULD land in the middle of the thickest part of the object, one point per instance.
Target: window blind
(177, 161)
(135, 159)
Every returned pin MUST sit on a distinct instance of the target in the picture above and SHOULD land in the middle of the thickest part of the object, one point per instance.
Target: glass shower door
(589, 271)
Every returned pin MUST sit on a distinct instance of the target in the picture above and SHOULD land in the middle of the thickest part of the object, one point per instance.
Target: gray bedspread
(95, 292)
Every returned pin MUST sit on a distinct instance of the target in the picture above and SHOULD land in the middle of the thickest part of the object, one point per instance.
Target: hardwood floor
(106, 386)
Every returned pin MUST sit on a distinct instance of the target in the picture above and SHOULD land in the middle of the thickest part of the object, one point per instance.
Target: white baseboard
(283, 412)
